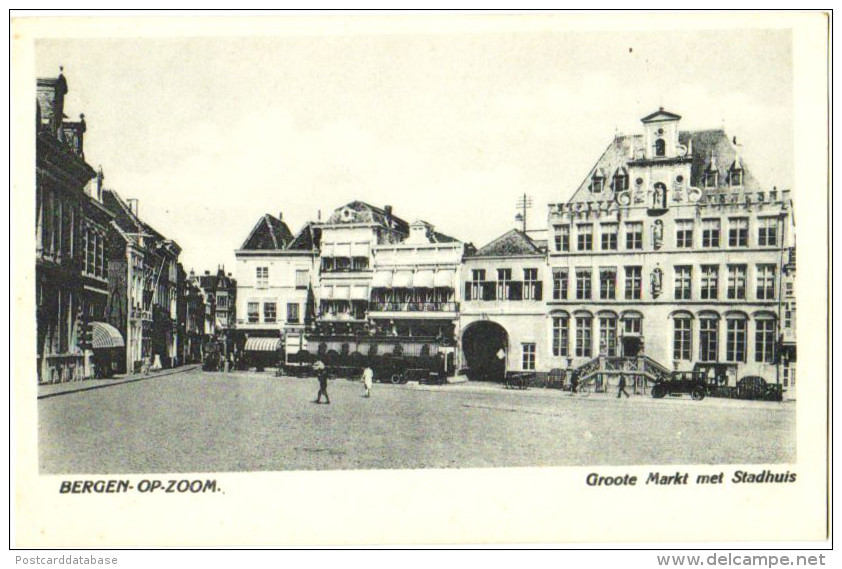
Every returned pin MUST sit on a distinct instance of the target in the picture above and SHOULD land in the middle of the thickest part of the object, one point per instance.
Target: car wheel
(396, 378)
(697, 394)
(659, 392)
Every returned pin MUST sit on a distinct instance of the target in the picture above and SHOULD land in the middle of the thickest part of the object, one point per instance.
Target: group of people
(321, 374)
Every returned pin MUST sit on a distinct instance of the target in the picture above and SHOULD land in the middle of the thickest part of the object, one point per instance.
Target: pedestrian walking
(321, 373)
(621, 387)
(368, 380)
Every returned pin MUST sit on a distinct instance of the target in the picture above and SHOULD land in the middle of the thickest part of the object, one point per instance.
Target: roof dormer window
(621, 180)
(711, 174)
(735, 174)
(597, 181)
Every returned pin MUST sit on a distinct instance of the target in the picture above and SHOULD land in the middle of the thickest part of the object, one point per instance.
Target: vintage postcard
(420, 278)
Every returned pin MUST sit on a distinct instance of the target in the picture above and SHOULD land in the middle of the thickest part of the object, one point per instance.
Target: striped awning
(444, 279)
(382, 279)
(422, 279)
(106, 336)
(360, 249)
(262, 345)
(359, 292)
(402, 279)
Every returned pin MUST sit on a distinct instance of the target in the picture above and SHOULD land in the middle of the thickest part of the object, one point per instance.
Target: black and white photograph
(384, 255)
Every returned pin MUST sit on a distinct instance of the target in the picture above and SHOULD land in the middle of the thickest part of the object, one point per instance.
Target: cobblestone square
(195, 421)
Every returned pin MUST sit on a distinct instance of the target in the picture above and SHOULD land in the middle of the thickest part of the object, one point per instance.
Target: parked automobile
(755, 387)
(681, 382)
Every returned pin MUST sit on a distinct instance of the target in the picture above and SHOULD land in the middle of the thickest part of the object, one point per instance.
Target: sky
(210, 133)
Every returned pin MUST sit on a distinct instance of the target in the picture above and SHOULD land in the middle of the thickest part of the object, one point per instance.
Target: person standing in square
(321, 373)
(368, 380)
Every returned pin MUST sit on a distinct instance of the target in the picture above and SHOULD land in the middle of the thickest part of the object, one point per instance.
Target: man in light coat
(368, 380)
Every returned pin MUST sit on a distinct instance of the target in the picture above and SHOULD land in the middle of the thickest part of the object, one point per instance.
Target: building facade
(275, 272)
(143, 287)
(191, 319)
(415, 291)
(669, 248)
(503, 312)
(70, 237)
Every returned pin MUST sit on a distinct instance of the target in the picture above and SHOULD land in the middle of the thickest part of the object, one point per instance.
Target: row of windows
(736, 282)
(632, 326)
(711, 234)
(709, 283)
(270, 313)
(344, 264)
(736, 337)
(620, 180)
(504, 288)
(261, 278)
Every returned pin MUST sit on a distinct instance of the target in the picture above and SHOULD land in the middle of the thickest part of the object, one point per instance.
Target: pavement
(187, 420)
(54, 389)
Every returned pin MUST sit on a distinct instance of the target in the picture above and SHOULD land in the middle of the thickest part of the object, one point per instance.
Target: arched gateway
(482, 344)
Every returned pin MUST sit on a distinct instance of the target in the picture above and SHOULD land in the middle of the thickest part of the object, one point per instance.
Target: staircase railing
(622, 365)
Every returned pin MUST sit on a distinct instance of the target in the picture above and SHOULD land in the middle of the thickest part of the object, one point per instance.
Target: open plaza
(195, 421)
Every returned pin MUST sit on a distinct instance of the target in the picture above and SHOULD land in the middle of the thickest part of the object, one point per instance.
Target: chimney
(388, 210)
(207, 272)
(280, 215)
(319, 215)
(133, 206)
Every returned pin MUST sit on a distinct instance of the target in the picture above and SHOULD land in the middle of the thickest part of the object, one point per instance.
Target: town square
(384, 279)
(645, 312)
(195, 421)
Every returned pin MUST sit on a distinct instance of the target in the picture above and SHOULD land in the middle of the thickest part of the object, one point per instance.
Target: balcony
(435, 307)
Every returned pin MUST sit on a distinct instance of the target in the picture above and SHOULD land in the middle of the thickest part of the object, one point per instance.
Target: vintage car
(681, 382)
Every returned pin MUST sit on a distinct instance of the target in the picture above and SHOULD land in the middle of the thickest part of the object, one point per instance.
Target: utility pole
(523, 203)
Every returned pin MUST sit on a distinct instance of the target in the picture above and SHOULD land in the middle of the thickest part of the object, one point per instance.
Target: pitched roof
(213, 282)
(660, 115)
(705, 144)
(268, 233)
(307, 239)
(369, 214)
(128, 222)
(511, 243)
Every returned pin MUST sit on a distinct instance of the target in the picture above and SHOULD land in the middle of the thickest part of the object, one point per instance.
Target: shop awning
(382, 279)
(402, 279)
(359, 293)
(423, 279)
(341, 292)
(262, 345)
(444, 279)
(359, 249)
(326, 292)
(106, 336)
